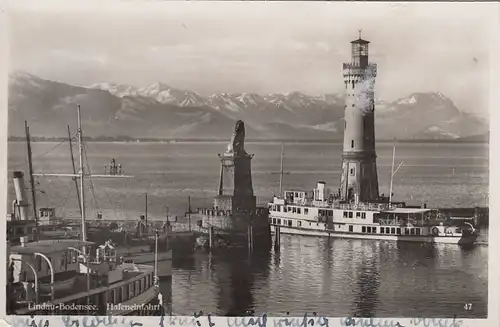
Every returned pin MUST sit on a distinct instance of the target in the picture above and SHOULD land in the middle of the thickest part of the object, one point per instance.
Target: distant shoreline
(200, 140)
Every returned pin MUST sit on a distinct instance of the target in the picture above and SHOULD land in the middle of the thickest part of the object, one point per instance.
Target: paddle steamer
(358, 210)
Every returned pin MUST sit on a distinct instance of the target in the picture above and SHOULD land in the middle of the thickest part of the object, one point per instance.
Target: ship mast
(282, 173)
(82, 174)
(32, 181)
(281, 169)
(74, 169)
(393, 172)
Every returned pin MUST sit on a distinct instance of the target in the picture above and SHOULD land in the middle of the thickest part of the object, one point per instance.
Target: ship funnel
(320, 191)
(22, 201)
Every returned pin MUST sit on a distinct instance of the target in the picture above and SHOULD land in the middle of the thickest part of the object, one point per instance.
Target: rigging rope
(40, 155)
(91, 185)
(64, 201)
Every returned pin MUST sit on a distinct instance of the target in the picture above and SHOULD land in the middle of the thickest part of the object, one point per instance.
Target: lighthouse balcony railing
(351, 65)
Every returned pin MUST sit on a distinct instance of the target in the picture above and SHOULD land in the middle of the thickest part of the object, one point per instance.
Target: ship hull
(461, 240)
(164, 261)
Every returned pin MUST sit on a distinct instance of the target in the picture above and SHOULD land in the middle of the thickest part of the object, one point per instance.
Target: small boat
(61, 276)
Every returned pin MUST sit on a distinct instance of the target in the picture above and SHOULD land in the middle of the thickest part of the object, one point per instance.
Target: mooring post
(210, 238)
(251, 238)
(276, 238)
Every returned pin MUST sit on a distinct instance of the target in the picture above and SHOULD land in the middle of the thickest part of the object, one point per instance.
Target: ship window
(298, 210)
(393, 230)
(289, 223)
(352, 143)
(330, 213)
(407, 232)
(345, 214)
(350, 228)
(350, 214)
(299, 223)
(38, 263)
(358, 214)
(345, 123)
(352, 84)
(363, 215)
(412, 231)
(274, 220)
(374, 230)
(294, 210)
(270, 220)
(382, 230)
(368, 229)
(279, 221)
(279, 208)
(306, 211)
(363, 229)
(417, 231)
(399, 231)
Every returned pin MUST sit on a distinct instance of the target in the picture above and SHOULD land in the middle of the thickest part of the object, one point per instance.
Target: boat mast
(32, 181)
(74, 169)
(281, 170)
(392, 174)
(82, 175)
(146, 211)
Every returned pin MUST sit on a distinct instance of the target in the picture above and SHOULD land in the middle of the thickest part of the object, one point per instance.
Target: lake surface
(333, 277)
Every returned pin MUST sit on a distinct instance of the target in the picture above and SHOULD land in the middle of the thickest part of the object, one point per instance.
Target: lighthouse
(359, 181)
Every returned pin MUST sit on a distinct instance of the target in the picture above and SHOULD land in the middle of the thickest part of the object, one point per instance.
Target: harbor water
(333, 277)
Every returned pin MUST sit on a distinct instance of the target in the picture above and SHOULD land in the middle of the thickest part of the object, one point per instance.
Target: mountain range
(164, 112)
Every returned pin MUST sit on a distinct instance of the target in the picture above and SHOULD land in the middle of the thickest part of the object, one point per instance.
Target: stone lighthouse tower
(359, 181)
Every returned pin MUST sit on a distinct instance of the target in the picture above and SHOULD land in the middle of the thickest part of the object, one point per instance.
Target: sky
(261, 47)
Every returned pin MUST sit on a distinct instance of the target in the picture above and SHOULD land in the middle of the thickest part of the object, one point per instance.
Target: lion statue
(237, 144)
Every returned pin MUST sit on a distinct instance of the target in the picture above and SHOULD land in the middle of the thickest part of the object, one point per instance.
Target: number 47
(468, 306)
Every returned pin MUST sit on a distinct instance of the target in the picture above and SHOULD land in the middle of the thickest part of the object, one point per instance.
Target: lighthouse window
(352, 143)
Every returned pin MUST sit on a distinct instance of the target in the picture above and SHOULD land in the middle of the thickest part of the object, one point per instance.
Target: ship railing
(361, 206)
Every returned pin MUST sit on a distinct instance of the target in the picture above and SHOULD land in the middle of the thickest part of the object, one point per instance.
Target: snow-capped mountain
(159, 91)
(160, 111)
